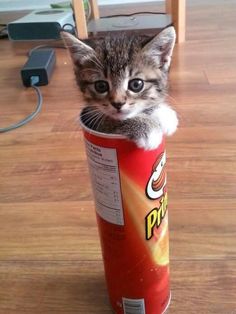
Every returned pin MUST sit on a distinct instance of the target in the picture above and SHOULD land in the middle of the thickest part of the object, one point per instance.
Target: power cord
(33, 81)
(132, 14)
(45, 46)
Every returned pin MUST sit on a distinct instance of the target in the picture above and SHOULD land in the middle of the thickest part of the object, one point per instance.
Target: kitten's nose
(117, 105)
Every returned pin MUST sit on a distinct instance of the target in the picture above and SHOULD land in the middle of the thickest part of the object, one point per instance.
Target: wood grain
(178, 11)
(80, 18)
(94, 9)
(67, 287)
(50, 257)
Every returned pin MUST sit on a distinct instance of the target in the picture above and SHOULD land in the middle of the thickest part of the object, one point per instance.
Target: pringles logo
(155, 189)
(157, 181)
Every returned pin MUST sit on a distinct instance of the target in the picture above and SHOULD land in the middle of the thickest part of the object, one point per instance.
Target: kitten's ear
(161, 47)
(80, 52)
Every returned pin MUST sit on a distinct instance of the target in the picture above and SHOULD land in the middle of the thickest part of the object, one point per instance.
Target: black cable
(131, 14)
(46, 46)
(72, 30)
(34, 81)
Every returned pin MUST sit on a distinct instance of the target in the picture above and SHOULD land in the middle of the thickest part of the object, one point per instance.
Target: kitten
(123, 80)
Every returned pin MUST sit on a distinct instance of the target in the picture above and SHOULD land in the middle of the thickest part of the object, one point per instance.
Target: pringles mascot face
(156, 189)
(157, 181)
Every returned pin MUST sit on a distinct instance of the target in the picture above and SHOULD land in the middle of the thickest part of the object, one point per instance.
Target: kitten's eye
(101, 87)
(135, 85)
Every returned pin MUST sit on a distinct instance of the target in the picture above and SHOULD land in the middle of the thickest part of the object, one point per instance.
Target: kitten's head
(122, 75)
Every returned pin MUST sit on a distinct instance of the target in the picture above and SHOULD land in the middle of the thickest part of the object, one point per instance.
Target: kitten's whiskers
(96, 120)
(91, 118)
(103, 117)
(90, 112)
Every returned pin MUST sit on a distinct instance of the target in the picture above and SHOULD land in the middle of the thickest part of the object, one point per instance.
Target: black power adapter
(36, 72)
(40, 64)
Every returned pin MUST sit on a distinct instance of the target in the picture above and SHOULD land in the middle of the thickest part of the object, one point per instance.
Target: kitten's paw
(151, 141)
(168, 120)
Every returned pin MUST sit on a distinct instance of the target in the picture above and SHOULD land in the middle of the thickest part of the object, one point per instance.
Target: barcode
(133, 306)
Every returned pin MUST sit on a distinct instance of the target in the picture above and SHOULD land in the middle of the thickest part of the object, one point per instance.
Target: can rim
(100, 134)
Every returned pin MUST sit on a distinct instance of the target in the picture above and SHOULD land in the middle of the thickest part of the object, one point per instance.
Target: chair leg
(177, 8)
(80, 19)
(94, 9)
(178, 11)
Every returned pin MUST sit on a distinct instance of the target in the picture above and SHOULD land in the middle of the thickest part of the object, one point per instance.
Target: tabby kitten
(123, 79)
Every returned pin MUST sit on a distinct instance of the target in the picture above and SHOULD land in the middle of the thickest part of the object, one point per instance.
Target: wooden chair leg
(80, 19)
(178, 11)
(177, 8)
(94, 9)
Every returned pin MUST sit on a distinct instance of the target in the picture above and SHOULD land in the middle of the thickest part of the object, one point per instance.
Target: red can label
(129, 186)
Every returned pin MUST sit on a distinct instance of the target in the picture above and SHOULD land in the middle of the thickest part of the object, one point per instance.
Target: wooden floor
(50, 260)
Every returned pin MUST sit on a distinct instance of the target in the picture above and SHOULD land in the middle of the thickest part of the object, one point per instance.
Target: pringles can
(130, 194)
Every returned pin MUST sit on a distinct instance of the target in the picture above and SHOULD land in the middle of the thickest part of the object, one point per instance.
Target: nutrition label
(106, 182)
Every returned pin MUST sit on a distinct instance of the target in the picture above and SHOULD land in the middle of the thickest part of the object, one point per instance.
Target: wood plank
(55, 287)
(216, 135)
(50, 231)
(198, 147)
(39, 147)
(193, 179)
(209, 287)
(221, 73)
(67, 230)
(47, 181)
(198, 228)
(72, 287)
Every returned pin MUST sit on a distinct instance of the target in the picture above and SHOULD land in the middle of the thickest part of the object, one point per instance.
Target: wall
(13, 5)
